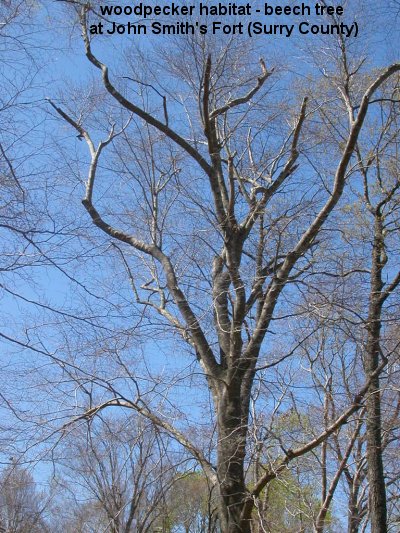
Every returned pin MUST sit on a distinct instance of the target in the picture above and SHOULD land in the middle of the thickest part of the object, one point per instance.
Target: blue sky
(39, 141)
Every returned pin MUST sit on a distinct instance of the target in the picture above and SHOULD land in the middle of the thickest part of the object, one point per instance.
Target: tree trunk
(376, 478)
(354, 515)
(232, 429)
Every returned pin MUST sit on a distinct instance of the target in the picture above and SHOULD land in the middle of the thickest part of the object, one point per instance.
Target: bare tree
(23, 508)
(254, 256)
(383, 207)
(124, 468)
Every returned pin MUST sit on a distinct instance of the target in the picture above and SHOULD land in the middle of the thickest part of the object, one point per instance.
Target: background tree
(120, 472)
(190, 506)
(23, 508)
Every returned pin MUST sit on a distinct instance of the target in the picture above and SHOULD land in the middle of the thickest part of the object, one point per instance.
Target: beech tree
(217, 184)
(230, 189)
